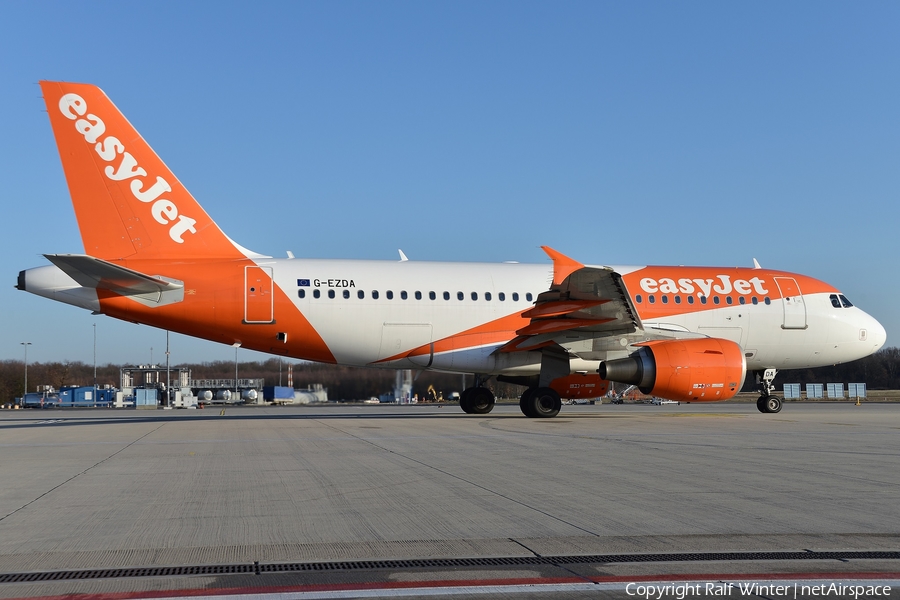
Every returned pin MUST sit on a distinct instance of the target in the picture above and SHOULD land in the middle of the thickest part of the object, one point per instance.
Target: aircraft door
(792, 302)
(258, 298)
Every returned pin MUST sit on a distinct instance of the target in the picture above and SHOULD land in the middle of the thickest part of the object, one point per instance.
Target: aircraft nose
(875, 334)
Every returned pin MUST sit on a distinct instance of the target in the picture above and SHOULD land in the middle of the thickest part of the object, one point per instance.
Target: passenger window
(529, 297)
(346, 294)
(316, 293)
(716, 300)
(729, 300)
(374, 294)
(638, 299)
(651, 299)
(403, 295)
(845, 302)
(677, 299)
(446, 295)
(432, 296)
(501, 296)
(515, 296)
(742, 300)
(460, 295)
(301, 293)
(418, 295)
(690, 299)
(331, 294)
(474, 295)
(487, 296)
(767, 301)
(665, 299)
(360, 294)
(754, 300)
(389, 295)
(703, 300)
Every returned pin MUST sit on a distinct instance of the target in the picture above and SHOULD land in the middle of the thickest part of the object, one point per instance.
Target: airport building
(154, 386)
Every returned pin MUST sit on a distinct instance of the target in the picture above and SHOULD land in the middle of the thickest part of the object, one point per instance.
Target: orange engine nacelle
(698, 370)
(580, 385)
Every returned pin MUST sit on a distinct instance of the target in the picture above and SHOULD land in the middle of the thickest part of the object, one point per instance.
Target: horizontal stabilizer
(92, 272)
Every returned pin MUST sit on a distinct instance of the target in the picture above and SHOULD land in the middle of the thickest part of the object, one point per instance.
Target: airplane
(562, 330)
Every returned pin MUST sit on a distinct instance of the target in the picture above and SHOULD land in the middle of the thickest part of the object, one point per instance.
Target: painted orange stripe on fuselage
(492, 332)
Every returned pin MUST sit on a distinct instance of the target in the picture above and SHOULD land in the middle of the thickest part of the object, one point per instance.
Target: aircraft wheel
(773, 404)
(465, 401)
(761, 404)
(541, 403)
(481, 401)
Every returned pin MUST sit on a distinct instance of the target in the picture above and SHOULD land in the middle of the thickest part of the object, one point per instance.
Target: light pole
(168, 374)
(236, 346)
(25, 345)
(95, 356)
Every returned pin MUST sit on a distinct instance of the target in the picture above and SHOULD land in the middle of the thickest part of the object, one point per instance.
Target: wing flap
(583, 302)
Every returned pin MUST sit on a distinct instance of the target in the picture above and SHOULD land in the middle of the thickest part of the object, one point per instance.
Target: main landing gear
(767, 403)
(477, 400)
(540, 402)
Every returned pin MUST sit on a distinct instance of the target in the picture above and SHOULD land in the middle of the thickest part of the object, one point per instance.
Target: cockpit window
(834, 301)
(845, 302)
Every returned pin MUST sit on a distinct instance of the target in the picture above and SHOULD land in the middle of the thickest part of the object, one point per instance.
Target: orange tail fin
(127, 202)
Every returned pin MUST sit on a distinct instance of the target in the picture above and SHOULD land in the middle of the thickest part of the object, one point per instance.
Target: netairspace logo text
(790, 590)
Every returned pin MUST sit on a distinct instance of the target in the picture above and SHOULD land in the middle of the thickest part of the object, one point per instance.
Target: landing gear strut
(477, 400)
(767, 402)
(542, 401)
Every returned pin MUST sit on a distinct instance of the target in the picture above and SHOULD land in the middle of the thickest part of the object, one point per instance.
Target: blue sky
(703, 133)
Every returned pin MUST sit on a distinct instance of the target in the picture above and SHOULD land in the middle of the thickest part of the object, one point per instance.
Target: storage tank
(249, 395)
(224, 395)
(205, 396)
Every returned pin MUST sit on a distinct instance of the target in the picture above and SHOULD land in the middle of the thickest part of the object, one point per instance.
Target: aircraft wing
(583, 302)
(99, 274)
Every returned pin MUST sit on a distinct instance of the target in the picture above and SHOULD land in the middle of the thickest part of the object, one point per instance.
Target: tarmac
(425, 501)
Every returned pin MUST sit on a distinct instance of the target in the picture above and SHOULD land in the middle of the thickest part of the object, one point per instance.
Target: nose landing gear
(767, 403)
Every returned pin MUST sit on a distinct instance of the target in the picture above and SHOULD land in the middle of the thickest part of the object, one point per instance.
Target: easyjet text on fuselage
(720, 284)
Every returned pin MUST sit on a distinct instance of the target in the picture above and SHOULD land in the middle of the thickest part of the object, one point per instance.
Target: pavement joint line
(464, 480)
(56, 487)
(515, 541)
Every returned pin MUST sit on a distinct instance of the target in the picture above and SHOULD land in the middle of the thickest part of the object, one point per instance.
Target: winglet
(756, 264)
(563, 266)
(402, 256)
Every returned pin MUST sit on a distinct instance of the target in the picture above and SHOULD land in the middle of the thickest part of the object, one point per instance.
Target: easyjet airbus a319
(561, 330)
